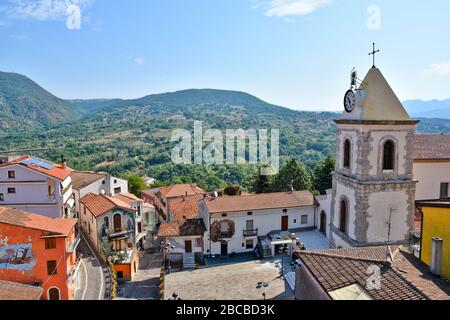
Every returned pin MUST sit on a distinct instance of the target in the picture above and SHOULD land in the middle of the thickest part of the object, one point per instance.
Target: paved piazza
(228, 282)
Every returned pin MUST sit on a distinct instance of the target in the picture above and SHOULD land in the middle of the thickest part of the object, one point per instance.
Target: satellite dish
(103, 192)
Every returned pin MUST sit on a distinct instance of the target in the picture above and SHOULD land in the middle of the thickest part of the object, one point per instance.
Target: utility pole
(388, 248)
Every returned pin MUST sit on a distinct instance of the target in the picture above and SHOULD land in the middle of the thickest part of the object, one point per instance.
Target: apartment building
(35, 185)
(39, 251)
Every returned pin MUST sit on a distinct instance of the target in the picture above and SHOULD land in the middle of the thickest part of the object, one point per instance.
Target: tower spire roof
(379, 102)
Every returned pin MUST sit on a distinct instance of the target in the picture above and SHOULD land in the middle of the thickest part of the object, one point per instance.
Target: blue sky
(295, 53)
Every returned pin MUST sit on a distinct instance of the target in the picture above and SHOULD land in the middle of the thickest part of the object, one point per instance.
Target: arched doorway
(117, 222)
(323, 222)
(53, 294)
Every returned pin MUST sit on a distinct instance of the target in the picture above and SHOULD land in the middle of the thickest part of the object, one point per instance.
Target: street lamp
(262, 285)
(283, 250)
(169, 247)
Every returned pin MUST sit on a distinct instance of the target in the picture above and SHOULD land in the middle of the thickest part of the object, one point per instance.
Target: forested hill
(24, 104)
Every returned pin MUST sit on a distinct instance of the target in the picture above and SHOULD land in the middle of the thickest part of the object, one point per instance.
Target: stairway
(188, 261)
(266, 248)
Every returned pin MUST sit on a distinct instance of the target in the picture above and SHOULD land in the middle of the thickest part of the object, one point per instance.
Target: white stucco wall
(324, 202)
(179, 243)
(265, 221)
(379, 210)
(430, 176)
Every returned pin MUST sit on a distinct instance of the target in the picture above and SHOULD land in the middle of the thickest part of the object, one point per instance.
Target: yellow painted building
(436, 223)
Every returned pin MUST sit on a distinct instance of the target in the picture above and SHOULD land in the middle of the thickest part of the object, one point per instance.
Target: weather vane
(373, 53)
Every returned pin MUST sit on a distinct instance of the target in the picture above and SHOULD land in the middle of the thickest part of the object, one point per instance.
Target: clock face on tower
(349, 101)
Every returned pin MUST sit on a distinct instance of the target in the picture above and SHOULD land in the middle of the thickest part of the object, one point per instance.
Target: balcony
(73, 246)
(250, 233)
(120, 233)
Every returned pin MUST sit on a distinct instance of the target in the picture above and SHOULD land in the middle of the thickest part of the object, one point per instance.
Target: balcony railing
(120, 232)
(73, 246)
(250, 233)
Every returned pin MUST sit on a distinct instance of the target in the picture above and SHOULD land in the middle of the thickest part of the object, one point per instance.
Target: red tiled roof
(431, 147)
(191, 227)
(56, 171)
(279, 200)
(36, 221)
(126, 197)
(185, 208)
(334, 271)
(178, 190)
(18, 291)
(81, 179)
(100, 204)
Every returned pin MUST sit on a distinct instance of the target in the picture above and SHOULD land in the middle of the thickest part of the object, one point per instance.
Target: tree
(136, 185)
(323, 178)
(232, 190)
(292, 175)
(260, 183)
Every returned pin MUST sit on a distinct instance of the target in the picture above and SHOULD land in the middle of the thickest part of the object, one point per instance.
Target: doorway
(323, 222)
(284, 223)
(188, 246)
(224, 249)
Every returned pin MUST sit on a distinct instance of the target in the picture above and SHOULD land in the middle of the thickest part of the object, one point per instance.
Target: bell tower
(373, 185)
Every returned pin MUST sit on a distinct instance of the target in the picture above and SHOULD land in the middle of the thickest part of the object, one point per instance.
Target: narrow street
(145, 285)
(92, 275)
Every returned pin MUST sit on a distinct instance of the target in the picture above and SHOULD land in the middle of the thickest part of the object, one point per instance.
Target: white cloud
(45, 10)
(284, 8)
(441, 69)
(139, 61)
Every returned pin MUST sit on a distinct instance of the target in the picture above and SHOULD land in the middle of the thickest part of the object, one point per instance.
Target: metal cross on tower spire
(373, 54)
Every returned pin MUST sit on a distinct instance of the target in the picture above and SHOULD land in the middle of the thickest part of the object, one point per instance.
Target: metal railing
(250, 233)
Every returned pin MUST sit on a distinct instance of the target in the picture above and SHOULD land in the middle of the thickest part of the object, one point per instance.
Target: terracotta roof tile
(431, 147)
(100, 204)
(18, 291)
(185, 208)
(36, 221)
(178, 190)
(192, 227)
(81, 179)
(336, 271)
(278, 200)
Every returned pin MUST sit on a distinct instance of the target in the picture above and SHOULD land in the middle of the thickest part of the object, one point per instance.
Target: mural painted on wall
(18, 257)
(107, 226)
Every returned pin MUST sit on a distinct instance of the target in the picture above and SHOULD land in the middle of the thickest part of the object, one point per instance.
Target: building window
(11, 174)
(119, 274)
(444, 190)
(249, 244)
(304, 219)
(388, 155)
(11, 190)
(115, 181)
(117, 219)
(343, 217)
(224, 214)
(118, 190)
(284, 210)
(103, 182)
(249, 213)
(50, 243)
(2, 197)
(51, 267)
(347, 153)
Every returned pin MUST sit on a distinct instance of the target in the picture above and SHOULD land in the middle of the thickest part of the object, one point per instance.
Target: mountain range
(24, 104)
(132, 137)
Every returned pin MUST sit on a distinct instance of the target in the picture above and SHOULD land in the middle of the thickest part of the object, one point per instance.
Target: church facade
(373, 194)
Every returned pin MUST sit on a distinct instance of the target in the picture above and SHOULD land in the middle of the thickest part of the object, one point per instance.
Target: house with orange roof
(176, 191)
(39, 251)
(36, 185)
(111, 228)
(184, 232)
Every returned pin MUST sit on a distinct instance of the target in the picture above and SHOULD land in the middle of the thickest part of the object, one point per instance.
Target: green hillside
(24, 104)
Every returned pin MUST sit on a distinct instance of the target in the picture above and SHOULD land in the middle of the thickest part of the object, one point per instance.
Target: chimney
(436, 256)
(63, 162)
